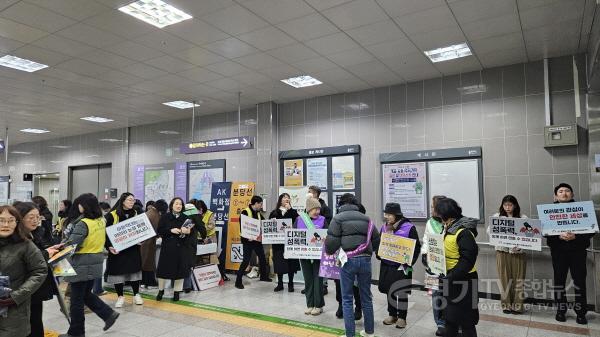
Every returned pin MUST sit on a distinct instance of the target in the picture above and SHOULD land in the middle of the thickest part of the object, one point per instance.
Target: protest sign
(329, 268)
(250, 228)
(436, 257)
(273, 231)
(130, 232)
(396, 248)
(516, 233)
(304, 244)
(574, 217)
(432, 282)
(207, 248)
(207, 276)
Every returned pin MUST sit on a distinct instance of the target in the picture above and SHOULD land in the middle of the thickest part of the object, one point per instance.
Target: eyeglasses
(10, 221)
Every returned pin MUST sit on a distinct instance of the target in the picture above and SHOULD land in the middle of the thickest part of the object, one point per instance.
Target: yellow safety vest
(249, 211)
(94, 242)
(205, 219)
(451, 250)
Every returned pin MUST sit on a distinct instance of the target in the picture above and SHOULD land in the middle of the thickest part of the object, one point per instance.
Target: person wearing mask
(148, 247)
(30, 216)
(434, 226)
(89, 234)
(26, 269)
(63, 211)
(178, 234)
(569, 253)
(353, 231)
(283, 266)
(391, 272)
(510, 263)
(123, 266)
(459, 286)
(313, 283)
(249, 246)
(208, 218)
(105, 207)
(46, 215)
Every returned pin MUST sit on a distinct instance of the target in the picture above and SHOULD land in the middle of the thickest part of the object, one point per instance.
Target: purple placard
(138, 182)
(181, 180)
(218, 145)
(329, 268)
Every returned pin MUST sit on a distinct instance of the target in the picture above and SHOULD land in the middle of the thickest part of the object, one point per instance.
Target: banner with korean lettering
(575, 217)
(219, 205)
(273, 231)
(305, 244)
(436, 256)
(241, 193)
(250, 228)
(396, 248)
(516, 233)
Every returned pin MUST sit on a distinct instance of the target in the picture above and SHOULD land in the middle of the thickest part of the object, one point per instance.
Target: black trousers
(256, 247)
(575, 262)
(81, 295)
(35, 319)
(338, 295)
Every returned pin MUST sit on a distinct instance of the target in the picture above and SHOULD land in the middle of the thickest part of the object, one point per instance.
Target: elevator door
(89, 179)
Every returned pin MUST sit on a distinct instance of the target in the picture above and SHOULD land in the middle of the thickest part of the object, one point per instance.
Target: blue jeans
(437, 300)
(81, 294)
(357, 268)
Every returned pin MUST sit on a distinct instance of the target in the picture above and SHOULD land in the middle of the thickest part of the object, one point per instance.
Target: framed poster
(162, 181)
(343, 173)
(316, 172)
(406, 184)
(293, 172)
(200, 177)
(297, 196)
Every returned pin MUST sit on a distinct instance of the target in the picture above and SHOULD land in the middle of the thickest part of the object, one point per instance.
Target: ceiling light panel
(181, 104)
(30, 130)
(97, 119)
(301, 81)
(21, 64)
(448, 53)
(155, 12)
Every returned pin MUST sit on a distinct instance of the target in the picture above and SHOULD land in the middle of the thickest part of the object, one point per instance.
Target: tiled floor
(208, 319)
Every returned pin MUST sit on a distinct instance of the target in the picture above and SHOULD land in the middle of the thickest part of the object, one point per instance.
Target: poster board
(273, 231)
(241, 193)
(250, 228)
(448, 177)
(436, 256)
(515, 233)
(396, 249)
(316, 173)
(161, 181)
(304, 244)
(575, 217)
(406, 184)
(207, 276)
(293, 172)
(200, 177)
(130, 232)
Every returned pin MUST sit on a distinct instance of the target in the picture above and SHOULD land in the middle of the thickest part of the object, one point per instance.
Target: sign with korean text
(397, 249)
(241, 193)
(436, 257)
(219, 202)
(217, 145)
(516, 233)
(574, 217)
(207, 276)
(329, 266)
(130, 232)
(273, 231)
(250, 228)
(306, 244)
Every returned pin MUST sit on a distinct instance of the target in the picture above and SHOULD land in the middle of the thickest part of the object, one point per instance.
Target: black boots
(160, 294)
(176, 296)
(279, 287)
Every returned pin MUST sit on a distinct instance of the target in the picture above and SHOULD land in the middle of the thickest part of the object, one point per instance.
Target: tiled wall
(507, 121)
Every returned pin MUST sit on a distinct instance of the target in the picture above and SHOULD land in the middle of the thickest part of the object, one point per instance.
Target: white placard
(130, 232)
(207, 276)
(516, 233)
(273, 231)
(250, 228)
(209, 248)
(436, 255)
(304, 244)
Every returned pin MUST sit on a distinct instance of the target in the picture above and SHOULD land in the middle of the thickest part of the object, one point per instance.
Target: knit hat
(561, 185)
(312, 203)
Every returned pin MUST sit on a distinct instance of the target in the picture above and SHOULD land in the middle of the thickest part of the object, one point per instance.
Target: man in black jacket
(569, 252)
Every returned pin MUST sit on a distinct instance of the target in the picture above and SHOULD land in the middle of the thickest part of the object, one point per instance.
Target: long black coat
(176, 253)
(280, 264)
(48, 289)
(128, 261)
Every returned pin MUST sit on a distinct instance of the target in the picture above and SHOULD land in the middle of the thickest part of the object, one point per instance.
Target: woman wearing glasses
(26, 269)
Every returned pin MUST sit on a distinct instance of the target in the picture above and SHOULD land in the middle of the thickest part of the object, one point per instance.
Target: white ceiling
(105, 63)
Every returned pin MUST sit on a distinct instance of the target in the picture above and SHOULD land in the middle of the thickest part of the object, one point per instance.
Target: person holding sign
(249, 246)
(282, 266)
(353, 232)
(392, 272)
(178, 233)
(510, 263)
(89, 234)
(569, 252)
(459, 286)
(313, 283)
(434, 227)
(123, 266)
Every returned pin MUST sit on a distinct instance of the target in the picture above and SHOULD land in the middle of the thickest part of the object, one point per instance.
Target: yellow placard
(241, 193)
(396, 248)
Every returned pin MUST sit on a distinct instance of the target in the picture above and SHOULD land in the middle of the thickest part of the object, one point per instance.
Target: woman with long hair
(282, 266)
(63, 211)
(123, 266)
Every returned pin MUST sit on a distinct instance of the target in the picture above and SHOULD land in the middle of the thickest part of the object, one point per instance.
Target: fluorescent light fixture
(93, 156)
(20, 152)
(97, 119)
(21, 64)
(61, 146)
(250, 121)
(301, 81)
(110, 140)
(168, 132)
(155, 12)
(182, 104)
(56, 162)
(448, 53)
(472, 89)
(30, 130)
(357, 106)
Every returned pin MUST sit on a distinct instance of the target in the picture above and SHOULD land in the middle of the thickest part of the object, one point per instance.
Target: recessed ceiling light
(97, 119)
(182, 104)
(21, 64)
(61, 146)
(30, 130)
(168, 132)
(20, 152)
(110, 140)
(448, 53)
(155, 12)
(301, 81)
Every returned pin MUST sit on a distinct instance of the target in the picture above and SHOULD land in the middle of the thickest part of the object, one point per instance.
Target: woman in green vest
(459, 286)
(89, 234)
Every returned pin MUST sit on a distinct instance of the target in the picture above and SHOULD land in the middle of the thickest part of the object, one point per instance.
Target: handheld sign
(436, 256)
(396, 248)
(273, 231)
(516, 233)
(574, 217)
(250, 228)
(130, 232)
(304, 244)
